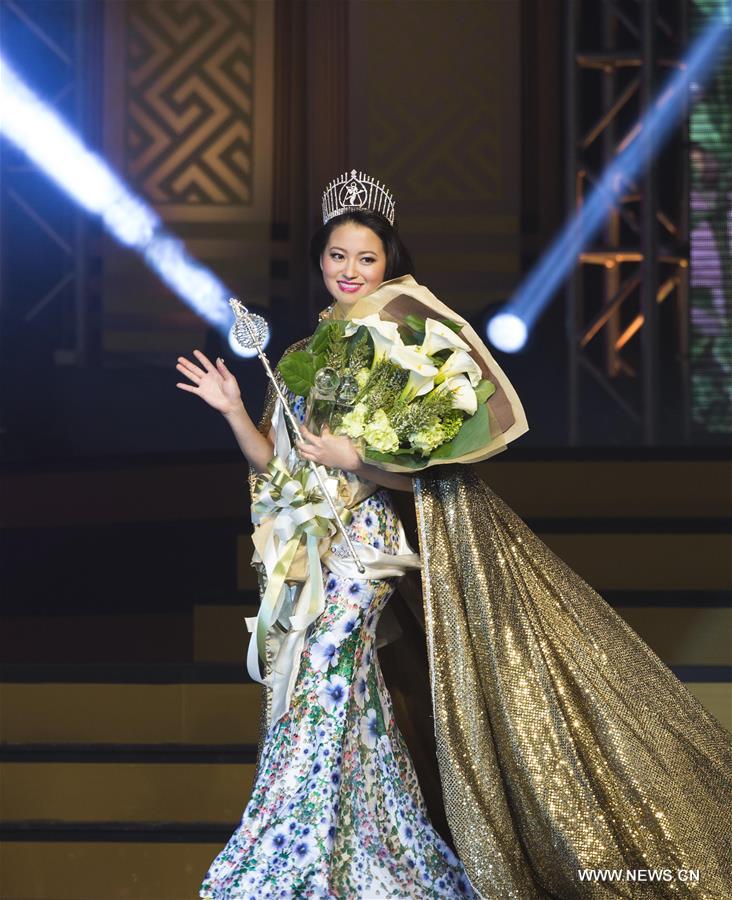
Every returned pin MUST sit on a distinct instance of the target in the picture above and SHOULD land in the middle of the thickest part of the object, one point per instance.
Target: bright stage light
(196, 284)
(45, 138)
(41, 134)
(237, 348)
(534, 293)
(507, 332)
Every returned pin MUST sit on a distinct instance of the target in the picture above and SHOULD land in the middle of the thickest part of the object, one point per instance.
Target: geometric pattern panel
(434, 112)
(438, 129)
(189, 100)
(445, 157)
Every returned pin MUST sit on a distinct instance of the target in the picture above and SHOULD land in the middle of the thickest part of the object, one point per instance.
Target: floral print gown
(336, 810)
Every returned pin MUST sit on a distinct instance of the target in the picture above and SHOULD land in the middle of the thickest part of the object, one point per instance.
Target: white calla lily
(439, 337)
(421, 370)
(459, 362)
(385, 335)
(463, 394)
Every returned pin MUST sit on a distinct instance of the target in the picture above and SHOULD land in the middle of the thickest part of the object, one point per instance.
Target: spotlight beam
(639, 147)
(39, 132)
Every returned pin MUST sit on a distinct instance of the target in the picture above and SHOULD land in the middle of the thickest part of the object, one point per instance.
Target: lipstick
(348, 287)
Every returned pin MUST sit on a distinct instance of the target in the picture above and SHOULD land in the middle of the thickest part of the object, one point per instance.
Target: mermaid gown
(336, 809)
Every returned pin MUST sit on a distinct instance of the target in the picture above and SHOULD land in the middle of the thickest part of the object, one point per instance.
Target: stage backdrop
(435, 113)
(188, 119)
(710, 131)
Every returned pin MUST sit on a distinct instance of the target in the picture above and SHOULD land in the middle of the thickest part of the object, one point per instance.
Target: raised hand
(214, 384)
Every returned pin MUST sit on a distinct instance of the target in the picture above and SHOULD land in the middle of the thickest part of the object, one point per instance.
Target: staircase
(121, 781)
(128, 729)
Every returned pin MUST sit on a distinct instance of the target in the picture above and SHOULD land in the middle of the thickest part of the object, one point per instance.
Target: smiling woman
(355, 247)
(301, 834)
(353, 261)
(562, 741)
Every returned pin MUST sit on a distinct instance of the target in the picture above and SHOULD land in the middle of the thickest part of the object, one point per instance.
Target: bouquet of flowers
(407, 379)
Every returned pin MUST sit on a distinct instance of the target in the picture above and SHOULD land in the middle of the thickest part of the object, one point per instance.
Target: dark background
(457, 106)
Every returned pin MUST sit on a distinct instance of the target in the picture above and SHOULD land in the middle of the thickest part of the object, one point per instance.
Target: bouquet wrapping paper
(398, 298)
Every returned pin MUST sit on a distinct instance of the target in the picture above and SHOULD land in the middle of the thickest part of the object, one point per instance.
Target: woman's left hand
(331, 450)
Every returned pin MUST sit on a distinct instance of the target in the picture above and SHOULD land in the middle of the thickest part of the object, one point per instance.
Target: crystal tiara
(354, 190)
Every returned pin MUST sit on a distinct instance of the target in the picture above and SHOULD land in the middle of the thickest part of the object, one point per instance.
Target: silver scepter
(251, 331)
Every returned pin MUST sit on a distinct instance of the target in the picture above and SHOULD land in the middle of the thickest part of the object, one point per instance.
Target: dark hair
(398, 258)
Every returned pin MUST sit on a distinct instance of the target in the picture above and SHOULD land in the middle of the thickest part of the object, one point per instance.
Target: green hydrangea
(353, 422)
(379, 434)
(427, 439)
(452, 422)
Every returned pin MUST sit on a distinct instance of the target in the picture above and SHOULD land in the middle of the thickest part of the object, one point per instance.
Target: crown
(354, 190)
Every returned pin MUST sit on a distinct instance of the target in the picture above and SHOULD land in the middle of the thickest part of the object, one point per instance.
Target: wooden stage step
(99, 865)
(63, 784)
(127, 791)
(128, 705)
(567, 482)
(127, 723)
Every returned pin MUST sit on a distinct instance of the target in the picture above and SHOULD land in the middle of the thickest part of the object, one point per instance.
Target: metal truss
(43, 256)
(617, 53)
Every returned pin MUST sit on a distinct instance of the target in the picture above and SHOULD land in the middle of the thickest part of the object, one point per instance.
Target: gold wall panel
(190, 100)
(434, 112)
(188, 92)
(197, 95)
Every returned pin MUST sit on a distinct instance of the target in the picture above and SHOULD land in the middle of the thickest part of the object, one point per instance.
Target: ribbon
(294, 527)
(288, 511)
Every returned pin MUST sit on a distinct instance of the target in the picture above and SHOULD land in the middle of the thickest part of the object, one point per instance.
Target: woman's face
(353, 262)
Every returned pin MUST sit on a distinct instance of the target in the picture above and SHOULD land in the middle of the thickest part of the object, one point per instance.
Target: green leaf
(409, 460)
(410, 338)
(453, 326)
(402, 451)
(484, 390)
(441, 356)
(321, 337)
(326, 334)
(360, 349)
(416, 323)
(320, 360)
(298, 370)
(360, 334)
(474, 434)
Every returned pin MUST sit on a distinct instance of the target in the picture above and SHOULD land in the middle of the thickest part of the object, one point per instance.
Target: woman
(563, 742)
(302, 834)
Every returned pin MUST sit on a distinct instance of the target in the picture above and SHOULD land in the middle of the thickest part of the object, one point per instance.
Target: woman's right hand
(214, 384)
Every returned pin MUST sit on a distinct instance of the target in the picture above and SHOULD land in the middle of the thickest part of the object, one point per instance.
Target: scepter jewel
(251, 330)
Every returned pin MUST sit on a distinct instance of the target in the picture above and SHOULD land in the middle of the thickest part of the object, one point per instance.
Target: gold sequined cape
(545, 733)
